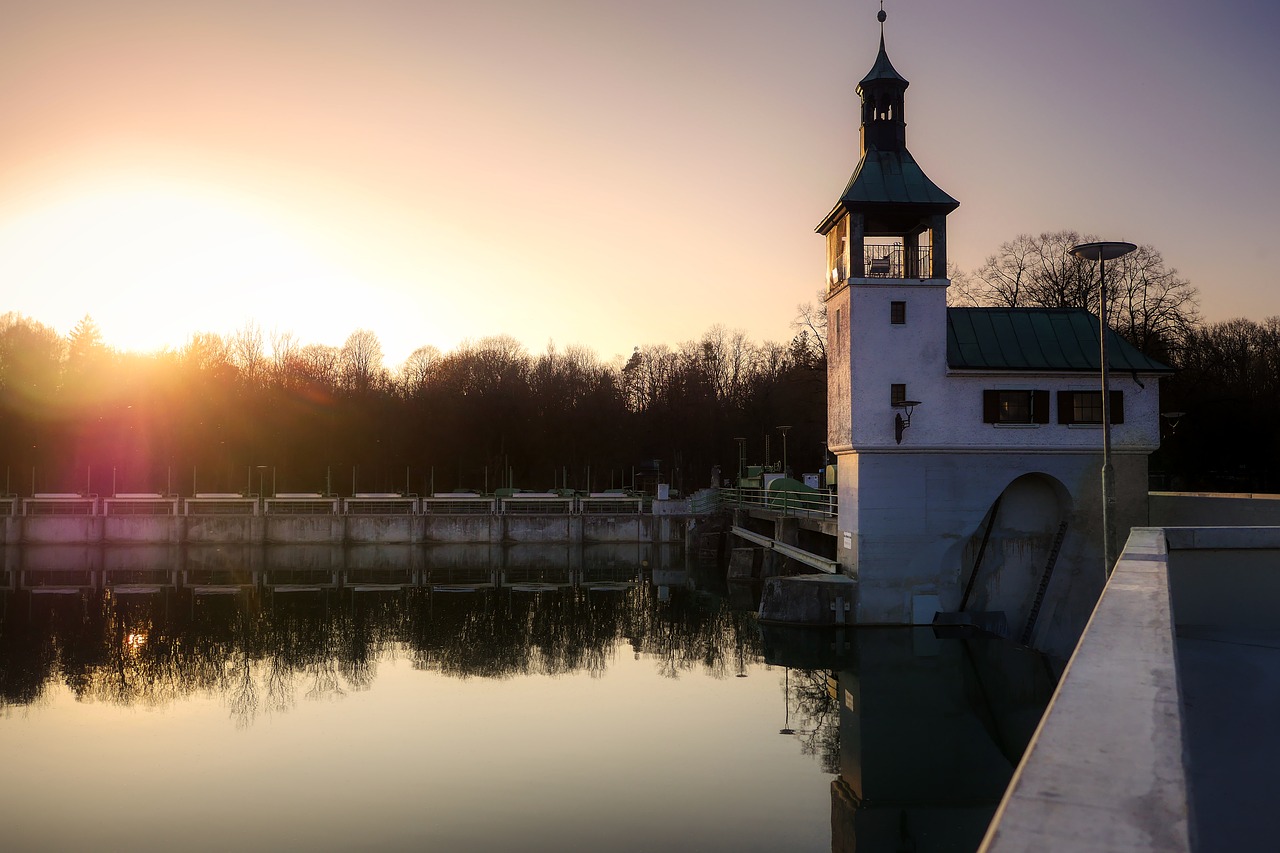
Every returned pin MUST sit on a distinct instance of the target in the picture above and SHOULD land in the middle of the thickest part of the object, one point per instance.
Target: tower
(969, 509)
(875, 228)
(886, 274)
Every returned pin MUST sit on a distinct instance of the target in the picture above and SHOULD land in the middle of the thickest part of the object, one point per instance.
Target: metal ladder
(1044, 583)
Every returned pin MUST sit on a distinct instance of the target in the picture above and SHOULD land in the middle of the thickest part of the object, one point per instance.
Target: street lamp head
(1105, 250)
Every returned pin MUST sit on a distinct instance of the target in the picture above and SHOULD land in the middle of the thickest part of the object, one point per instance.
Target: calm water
(454, 699)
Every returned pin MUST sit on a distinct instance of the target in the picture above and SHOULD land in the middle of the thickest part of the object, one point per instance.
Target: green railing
(801, 504)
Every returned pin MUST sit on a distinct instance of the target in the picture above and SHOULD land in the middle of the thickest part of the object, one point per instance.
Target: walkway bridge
(800, 526)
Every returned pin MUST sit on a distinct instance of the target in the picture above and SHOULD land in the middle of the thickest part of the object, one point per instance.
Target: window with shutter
(1000, 406)
(1085, 407)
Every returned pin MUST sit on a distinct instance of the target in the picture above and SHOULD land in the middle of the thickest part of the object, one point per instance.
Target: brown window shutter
(1117, 407)
(1040, 407)
(990, 407)
(1066, 407)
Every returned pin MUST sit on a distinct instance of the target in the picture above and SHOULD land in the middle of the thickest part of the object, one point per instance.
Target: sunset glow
(613, 176)
(155, 258)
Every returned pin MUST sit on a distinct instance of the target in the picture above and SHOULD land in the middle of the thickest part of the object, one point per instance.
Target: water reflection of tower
(930, 733)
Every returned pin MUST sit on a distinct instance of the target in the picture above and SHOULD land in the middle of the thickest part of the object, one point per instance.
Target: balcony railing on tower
(885, 261)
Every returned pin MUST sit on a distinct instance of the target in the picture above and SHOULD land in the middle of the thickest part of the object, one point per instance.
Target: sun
(154, 262)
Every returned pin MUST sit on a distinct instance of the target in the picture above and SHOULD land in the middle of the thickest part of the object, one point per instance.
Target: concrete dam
(456, 518)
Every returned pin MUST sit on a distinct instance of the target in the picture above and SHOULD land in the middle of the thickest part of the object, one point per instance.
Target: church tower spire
(889, 197)
(883, 94)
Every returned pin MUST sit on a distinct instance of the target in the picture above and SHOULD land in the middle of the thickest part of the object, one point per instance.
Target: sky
(596, 172)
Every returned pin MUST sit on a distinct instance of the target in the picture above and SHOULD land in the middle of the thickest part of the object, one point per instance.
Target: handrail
(799, 504)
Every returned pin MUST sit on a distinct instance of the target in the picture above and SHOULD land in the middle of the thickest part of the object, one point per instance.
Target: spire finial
(880, 16)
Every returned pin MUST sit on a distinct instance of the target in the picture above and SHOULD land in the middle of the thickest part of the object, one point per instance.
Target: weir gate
(202, 570)
(546, 518)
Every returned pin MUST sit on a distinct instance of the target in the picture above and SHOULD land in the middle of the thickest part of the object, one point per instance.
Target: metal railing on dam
(798, 504)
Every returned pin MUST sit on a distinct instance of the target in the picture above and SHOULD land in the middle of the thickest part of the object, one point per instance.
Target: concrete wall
(1105, 771)
(839, 376)
(1225, 576)
(1203, 509)
(338, 529)
(914, 522)
(876, 354)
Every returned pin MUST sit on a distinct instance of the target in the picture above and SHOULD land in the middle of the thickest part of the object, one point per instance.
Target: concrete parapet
(1105, 769)
(1203, 509)
(809, 600)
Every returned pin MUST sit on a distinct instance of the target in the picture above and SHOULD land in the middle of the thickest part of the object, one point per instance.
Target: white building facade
(968, 441)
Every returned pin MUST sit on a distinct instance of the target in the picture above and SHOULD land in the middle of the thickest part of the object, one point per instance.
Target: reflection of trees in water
(260, 656)
(812, 698)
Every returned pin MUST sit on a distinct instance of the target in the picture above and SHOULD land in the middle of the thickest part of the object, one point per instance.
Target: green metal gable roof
(1038, 339)
(893, 177)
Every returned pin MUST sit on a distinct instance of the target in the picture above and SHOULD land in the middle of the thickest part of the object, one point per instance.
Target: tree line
(250, 411)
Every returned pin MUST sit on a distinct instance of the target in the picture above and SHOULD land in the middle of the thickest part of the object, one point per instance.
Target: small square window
(897, 313)
(897, 393)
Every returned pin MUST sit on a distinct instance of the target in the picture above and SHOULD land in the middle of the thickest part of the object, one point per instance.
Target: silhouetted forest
(247, 411)
(242, 412)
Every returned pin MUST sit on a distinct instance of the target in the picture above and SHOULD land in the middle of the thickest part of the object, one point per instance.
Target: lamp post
(1102, 252)
(786, 702)
(783, 430)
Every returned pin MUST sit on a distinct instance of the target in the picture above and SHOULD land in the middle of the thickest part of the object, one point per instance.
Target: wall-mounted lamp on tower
(1173, 419)
(899, 422)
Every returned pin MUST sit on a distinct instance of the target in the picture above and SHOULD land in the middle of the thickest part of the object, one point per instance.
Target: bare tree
(1148, 302)
(964, 291)
(419, 367)
(321, 363)
(361, 361)
(1037, 271)
(248, 350)
(811, 319)
(206, 352)
(284, 355)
